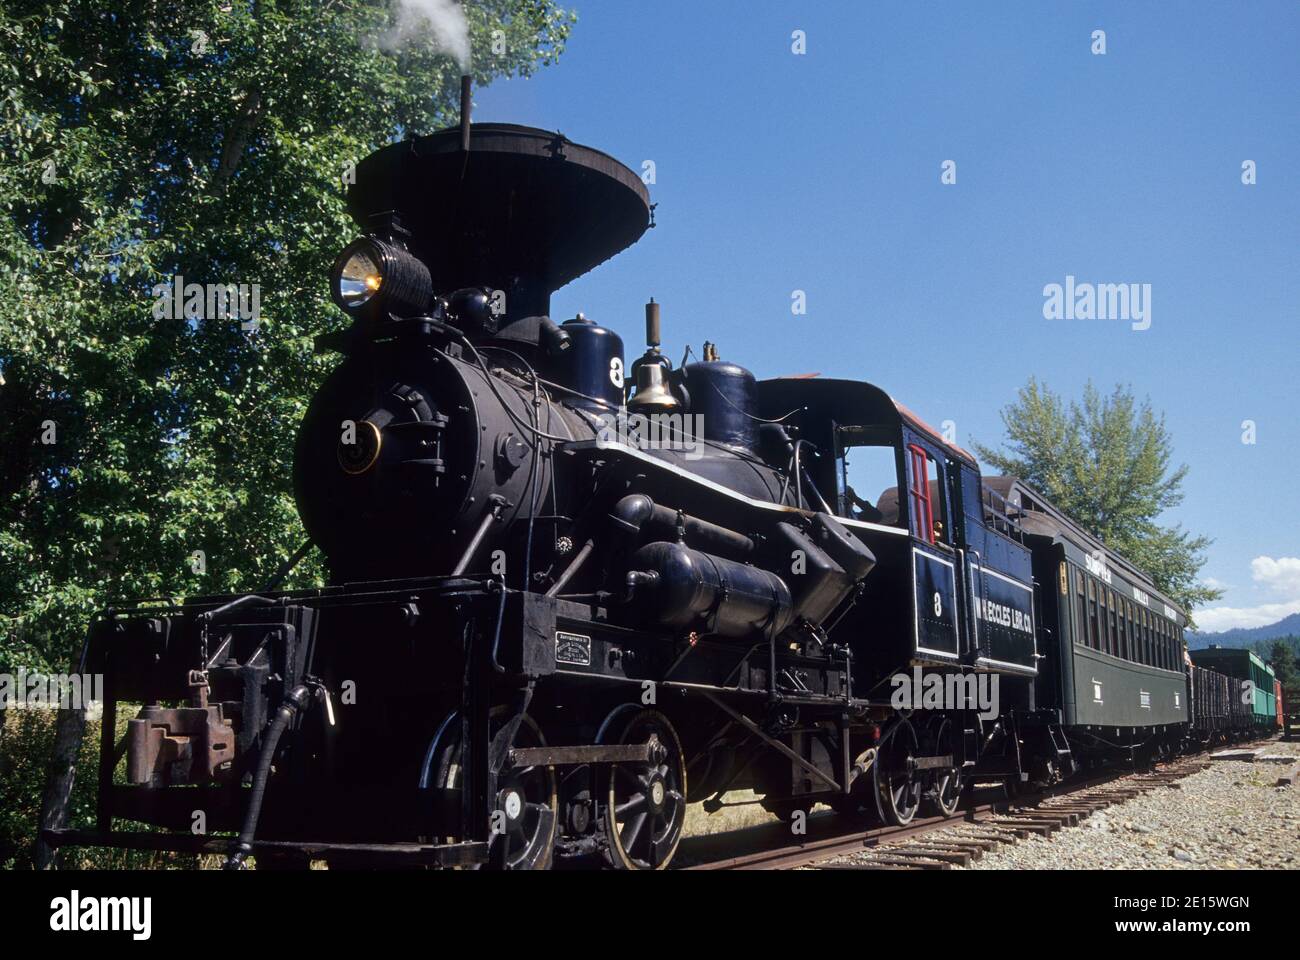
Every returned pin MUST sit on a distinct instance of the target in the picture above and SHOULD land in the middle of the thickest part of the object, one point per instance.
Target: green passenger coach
(1114, 653)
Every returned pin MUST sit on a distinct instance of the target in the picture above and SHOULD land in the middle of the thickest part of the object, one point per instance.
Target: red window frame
(919, 491)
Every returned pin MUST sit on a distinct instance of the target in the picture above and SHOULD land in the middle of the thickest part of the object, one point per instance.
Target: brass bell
(652, 390)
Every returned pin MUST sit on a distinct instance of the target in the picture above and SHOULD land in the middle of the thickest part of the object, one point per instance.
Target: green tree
(143, 139)
(1107, 462)
(142, 455)
(1283, 658)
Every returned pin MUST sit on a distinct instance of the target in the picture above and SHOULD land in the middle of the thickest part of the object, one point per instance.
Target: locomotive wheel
(645, 802)
(945, 787)
(900, 790)
(524, 816)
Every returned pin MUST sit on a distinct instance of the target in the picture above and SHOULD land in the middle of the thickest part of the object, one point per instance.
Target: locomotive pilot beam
(567, 597)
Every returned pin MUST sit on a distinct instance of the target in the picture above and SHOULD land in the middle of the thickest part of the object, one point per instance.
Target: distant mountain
(1247, 636)
(1259, 639)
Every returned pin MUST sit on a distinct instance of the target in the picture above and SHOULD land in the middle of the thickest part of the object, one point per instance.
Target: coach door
(934, 559)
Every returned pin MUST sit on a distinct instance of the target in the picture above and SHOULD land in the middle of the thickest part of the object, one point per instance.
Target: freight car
(567, 596)
(1254, 686)
(1222, 707)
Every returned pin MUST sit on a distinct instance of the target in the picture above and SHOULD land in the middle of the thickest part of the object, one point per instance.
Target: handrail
(997, 513)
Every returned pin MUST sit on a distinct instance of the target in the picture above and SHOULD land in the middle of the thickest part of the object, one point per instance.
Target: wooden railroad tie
(1063, 818)
(946, 846)
(926, 853)
(995, 838)
(965, 842)
(1026, 827)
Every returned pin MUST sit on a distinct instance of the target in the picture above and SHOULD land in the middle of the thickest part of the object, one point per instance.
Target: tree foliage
(1286, 663)
(144, 139)
(1107, 461)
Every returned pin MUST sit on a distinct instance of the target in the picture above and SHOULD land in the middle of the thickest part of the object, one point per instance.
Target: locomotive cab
(952, 588)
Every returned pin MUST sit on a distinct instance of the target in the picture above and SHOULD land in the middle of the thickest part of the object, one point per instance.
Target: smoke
(443, 19)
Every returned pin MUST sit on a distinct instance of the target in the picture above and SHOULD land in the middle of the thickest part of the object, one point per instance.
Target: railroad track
(967, 836)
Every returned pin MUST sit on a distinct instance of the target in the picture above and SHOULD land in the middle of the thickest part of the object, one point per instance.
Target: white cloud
(1214, 619)
(1280, 576)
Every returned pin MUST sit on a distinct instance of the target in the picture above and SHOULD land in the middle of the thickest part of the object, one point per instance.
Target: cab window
(868, 479)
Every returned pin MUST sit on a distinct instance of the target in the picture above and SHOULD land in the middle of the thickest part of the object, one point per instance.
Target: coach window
(1133, 640)
(1147, 643)
(1123, 629)
(1103, 638)
(1115, 615)
(1093, 636)
(1081, 622)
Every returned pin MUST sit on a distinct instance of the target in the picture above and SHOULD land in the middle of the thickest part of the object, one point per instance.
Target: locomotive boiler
(569, 594)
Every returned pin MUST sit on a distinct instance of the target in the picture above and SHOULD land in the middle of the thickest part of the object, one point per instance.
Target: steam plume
(444, 19)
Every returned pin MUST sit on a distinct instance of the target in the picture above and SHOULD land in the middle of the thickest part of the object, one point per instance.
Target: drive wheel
(900, 789)
(524, 815)
(943, 795)
(645, 801)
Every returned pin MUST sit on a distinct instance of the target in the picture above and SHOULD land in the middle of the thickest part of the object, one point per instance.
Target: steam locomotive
(567, 597)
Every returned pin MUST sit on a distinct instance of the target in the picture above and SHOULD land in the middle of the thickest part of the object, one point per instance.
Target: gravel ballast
(1229, 816)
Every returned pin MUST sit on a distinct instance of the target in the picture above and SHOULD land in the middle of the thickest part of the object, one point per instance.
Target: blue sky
(820, 172)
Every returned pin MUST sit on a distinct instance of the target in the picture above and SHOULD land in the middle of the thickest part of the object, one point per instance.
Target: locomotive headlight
(374, 277)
